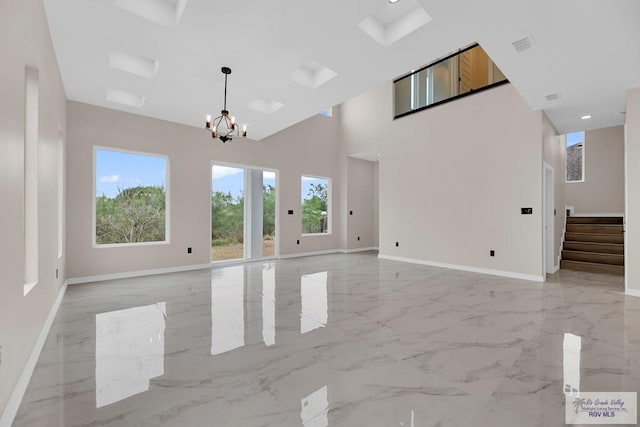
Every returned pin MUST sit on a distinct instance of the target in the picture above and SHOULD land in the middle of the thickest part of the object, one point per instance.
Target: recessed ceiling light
(587, 117)
(393, 1)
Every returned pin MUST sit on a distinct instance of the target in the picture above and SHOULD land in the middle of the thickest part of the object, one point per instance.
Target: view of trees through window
(227, 213)
(130, 198)
(315, 212)
(575, 156)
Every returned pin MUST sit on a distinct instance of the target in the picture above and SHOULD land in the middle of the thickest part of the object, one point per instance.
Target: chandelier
(224, 126)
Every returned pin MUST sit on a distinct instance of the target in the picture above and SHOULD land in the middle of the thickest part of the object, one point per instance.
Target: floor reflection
(129, 351)
(571, 348)
(315, 307)
(269, 304)
(315, 409)
(227, 309)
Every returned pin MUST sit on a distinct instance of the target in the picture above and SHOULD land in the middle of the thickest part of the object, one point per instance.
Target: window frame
(167, 201)
(329, 205)
(584, 155)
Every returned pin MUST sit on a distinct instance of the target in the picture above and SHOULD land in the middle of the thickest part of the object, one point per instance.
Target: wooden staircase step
(603, 248)
(592, 267)
(594, 220)
(593, 257)
(594, 228)
(594, 237)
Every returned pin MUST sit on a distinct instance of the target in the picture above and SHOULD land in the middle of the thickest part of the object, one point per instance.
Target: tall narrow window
(316, 217)
(130, 198)
(575, 157)
(60, 193)
(31, 179)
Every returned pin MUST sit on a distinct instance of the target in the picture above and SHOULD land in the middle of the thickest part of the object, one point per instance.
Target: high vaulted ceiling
(292, 58)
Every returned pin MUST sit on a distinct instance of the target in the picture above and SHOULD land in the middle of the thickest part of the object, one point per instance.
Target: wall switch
(189, 250)
(298, 242)
(397, 244)
(290, 211)
(350, 212)
(526, 211)
(358, 238)
(492, 253)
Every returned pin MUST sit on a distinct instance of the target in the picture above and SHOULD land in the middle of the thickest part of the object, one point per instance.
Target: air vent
(523, 44)
(552, 97)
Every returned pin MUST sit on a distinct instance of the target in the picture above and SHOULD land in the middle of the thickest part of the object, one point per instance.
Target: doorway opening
(243, 212)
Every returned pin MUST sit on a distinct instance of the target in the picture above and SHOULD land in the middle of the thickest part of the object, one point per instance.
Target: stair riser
(595, 258)
(593, 268)
(597, 229)
(594, 238)
(589, 247)
(594, 220)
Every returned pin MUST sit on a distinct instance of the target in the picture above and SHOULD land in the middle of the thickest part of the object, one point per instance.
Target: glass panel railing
(457, 75)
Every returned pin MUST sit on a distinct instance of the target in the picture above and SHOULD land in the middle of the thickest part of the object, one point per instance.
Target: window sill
(128, 245)
(315, 234)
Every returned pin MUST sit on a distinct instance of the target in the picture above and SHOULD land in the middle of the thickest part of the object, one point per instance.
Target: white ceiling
(588, 51)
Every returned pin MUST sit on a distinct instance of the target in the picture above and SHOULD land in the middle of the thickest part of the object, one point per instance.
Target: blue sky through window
(574, 138)
(117, 170)
(228, 179)
(306, 185)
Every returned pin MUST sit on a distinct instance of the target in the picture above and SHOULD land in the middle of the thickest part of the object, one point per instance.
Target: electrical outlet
(298, 242)
(290, 211)
(189, 250)
(397, 244)
(350, 212)
(492, 253)
(358, 238)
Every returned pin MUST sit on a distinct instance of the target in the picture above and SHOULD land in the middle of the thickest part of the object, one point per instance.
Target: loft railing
(460, 74)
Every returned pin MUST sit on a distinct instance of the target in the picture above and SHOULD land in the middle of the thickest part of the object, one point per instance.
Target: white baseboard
(555, 268)
(501, 273)
(303, 254)
(632, 292)
(140, 273)
(598, 214)
(350, 251)
(15, 399)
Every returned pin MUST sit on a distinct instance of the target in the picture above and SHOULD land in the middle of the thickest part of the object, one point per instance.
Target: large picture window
(316, 195)
(130, 198)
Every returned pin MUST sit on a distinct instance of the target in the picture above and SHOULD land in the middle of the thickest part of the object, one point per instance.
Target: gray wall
(25, 41)
(603, 188)
(453, 178)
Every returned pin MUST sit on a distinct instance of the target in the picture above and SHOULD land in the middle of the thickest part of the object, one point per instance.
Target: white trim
(599, 214)
(632, 292)
(350, 251)
(548, 227)
(304, 254)
(531, 277)
(139, 273)
(20, 388)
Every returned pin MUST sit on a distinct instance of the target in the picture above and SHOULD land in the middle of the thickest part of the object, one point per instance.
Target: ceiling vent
(552, 97)
(523, 44)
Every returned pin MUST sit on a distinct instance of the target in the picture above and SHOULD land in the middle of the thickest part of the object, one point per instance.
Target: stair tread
(591, 253)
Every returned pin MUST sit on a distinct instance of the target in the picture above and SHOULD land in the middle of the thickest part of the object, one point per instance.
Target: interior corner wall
(25, 42)
(602, 191)
(453, 179)
(632, 194)
(307, 148)
(555, 154)
(360, 204)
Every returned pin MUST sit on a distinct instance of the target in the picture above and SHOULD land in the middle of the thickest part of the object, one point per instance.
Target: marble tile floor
(335, 340)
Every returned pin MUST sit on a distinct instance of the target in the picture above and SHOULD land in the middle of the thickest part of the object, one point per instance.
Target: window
(32, 99)
(575, 157)
(315, 205)
(130, 198)
(328, 112)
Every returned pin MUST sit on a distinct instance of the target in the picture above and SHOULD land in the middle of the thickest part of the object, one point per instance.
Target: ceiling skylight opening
(163, 12)
(312, 74)
(134, 64)
(265, 106)
(387, 25)
(586, 117)
(125, 98)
